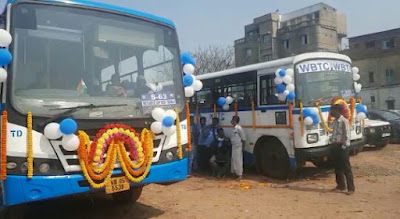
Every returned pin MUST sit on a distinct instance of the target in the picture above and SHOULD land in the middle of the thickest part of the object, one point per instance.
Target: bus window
(242, 88)
(267, 90)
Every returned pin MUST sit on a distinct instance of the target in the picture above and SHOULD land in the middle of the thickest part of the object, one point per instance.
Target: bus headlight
(44, 168)
(312, 138)
(358, 130)
(169, 155)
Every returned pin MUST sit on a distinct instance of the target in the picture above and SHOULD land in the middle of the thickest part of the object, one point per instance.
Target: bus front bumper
(18, 189)
(309, 154)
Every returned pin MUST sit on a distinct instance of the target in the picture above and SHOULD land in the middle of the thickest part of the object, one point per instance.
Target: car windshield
(390, 116)
(67, 57)
(323, 79)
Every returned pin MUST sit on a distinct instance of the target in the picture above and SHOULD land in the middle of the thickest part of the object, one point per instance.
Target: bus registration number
(117, 184)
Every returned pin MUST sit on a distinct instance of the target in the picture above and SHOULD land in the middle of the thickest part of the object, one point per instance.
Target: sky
(221, 22)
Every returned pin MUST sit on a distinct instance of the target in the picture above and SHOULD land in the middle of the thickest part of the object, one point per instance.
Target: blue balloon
(280, 88)
(307, 112)
(68, 126)
(282, 73)
(186, 58)
(5, 57)
(168, 121)
(221, 101)
(187, 80)
(361, 108)
(315, 119)
(291, 96)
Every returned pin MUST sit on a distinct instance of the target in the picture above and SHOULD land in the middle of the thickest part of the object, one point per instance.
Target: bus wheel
(274, 159)
(13, 212)
(131, 195)
(382, 144)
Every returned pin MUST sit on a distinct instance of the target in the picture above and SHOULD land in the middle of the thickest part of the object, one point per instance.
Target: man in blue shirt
(208, 134)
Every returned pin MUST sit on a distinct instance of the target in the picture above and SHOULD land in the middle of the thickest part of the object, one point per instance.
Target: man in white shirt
(238, 140)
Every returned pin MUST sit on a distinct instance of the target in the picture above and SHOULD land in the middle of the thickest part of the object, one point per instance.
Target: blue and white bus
(278, 136)
(97, 65)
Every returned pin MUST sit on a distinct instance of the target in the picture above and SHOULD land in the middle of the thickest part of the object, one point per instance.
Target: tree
(213, 58)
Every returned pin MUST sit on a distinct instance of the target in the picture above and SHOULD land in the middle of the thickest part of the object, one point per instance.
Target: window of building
(388, 44)
(372, 99)
(370, 44)
(390, 104)
(371, 77)
(248, 52)
(304, 39)
(286, 44)
(389, 76)
(267, 38)
(267, 57)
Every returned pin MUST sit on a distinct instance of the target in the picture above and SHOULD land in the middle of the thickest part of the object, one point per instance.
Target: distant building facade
(272, 36)
(377, 55)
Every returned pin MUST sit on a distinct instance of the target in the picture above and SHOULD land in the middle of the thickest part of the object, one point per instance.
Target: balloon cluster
(165, 121)
(5, 55)
(285, 87)
(311, 116)
(189, 80)
(225, 102)
(361, 112)
(66, 130)
(356, 77)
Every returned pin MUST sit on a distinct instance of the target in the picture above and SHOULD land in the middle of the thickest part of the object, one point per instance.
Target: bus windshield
(323, 80)
(67, 57)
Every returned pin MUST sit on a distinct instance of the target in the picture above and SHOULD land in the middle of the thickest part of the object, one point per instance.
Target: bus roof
(275, 64)
(113, 8)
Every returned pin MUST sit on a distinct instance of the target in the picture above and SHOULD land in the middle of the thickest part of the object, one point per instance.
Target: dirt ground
(377, 179)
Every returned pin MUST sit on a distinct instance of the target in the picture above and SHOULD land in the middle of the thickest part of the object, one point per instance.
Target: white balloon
(171, 113)
(169, 130)
(158, 88)
(188, 69)
(290, 87)
(225, 107)
(358, 88)
(5, 38)
(189, 91)
(277, 73)
(70, 142)
(361, 116)
(315, 110)
(3, 74)
(229, 100)
(156, 127)
(52, 131)
(278, 80)
(197, 85)
(287, 79)
(286, 92)
(158, 114)
(281, 97)
(355, 70)
(308, 120)
(290, 72)
(356, 77)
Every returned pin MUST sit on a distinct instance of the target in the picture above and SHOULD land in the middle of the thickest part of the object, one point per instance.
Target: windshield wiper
(70, 110)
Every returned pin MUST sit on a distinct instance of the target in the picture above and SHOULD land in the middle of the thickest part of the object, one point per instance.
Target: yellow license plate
(117, 184)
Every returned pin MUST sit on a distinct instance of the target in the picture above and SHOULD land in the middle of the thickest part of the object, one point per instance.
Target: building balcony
(298, 26)
(247, 39)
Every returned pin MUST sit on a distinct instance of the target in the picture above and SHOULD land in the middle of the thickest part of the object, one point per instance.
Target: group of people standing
(213, 152)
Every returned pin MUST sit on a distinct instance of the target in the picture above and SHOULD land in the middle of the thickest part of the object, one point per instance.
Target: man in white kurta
(238, 140)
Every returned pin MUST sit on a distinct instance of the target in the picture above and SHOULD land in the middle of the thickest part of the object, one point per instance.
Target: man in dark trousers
(220, 159)
(340, 151)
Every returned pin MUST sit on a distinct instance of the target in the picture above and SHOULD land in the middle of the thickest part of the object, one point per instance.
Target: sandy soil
(377, 179)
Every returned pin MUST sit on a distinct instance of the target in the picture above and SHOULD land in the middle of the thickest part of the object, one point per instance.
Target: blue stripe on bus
(114, 8)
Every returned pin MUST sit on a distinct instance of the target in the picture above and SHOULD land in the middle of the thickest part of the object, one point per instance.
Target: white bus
(276, 141)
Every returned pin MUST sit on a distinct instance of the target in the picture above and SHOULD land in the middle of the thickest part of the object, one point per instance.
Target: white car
(377, 132)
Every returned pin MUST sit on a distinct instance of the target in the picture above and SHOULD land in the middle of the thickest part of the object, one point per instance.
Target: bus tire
(272, 158)
(130, 196)
(382, 144)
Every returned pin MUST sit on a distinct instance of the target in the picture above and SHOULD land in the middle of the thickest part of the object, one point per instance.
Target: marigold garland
(112, 141)
(189, 131)
(4, 145)
(178, 134)
(30, 146)
(301, 119)
(352, 108)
